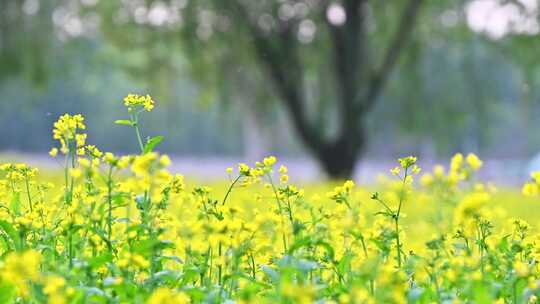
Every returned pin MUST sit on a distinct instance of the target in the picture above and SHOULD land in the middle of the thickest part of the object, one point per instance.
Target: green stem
(208, 266)
(284, 237)
(230, 189)
(401, 195)
(211, 266)
(398, 243)
(28, 192)
(397, 216)
(390, 211)
(72, 182)
(220, 267)
(253, 271)
(70, 248)
(66, 177)
(364, 247)
(109, 202)
(289, 209)
(275, 192)
(135, 121)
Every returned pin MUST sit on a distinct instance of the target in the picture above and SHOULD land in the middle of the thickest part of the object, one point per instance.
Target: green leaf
(152, 143)
(100, 260)
(7, 293)
(482, 294)
(15, 204)
(299, 243)
(124, 122)
(12, 233)
(189, 274)
(345, 263)
(329, 250)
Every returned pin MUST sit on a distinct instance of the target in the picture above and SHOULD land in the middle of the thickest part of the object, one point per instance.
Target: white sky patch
(266, 22)
(89, 2)
(306, 31)
(498, 19)
(30, 7)
(74, 26)
(158, 14)
(179, 4)
(140, 15)
(286, 12)
(336, 14)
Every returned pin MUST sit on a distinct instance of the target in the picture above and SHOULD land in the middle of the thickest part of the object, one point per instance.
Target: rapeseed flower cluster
(20, 270)
(66, 131)
(532, 188)
(125, 229)
(134, 102)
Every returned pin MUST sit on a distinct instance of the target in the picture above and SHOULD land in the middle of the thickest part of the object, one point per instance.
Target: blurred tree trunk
(358, 82)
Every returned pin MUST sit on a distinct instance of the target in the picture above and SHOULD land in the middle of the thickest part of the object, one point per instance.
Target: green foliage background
(453, 90)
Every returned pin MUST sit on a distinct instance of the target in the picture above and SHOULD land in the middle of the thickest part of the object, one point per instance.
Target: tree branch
(280, 59)
(348, 40)
(396, 46)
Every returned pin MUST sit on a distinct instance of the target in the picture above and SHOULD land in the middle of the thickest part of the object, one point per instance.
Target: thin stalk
(280, 209)
(364, 248)
(207, 260)
(211, 266)
(109, 202)
(28, 192)
(72, 182)
(275, 192)
(220, 267)
(135, 121)
(289, 209)
(401, 196)
(397, 216)
(66, 177)
(388, 209)
(398, 243)
(68, 196)
(70, 248)
(231, 186)
(252, 260)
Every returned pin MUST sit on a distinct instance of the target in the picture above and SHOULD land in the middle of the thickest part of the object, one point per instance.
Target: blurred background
(336, 88)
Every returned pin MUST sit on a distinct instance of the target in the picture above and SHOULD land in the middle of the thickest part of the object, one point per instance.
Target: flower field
(123, 229)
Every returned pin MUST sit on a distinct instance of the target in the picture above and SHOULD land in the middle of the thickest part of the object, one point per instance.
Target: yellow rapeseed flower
(164, 295)
(474, 162)
(243, 169)
(20, 269)
(530, 189)
(66, 130)
(133, 101)
(521, 269)
(269, 161)
(53, 152)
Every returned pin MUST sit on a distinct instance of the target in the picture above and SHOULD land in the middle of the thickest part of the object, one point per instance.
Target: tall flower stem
(27, 184)
(135, 121)
(397, 217)
(109, 202)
